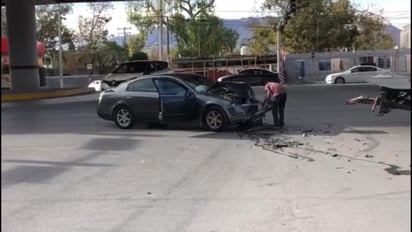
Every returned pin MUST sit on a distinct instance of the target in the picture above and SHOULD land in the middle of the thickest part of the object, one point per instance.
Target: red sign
(41, 47)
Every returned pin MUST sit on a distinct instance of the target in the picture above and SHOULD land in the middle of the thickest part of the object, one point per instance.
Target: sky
(397, 12)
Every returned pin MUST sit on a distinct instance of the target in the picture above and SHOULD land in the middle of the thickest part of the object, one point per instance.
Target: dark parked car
(132, 70)
(252, 76)
(178, 97)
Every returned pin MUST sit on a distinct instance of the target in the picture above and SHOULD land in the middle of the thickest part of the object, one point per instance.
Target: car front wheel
(214, 119)
(124, 118)
(339, 80)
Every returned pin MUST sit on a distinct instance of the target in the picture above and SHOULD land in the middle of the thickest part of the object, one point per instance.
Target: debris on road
(329, 125)
(369, 156)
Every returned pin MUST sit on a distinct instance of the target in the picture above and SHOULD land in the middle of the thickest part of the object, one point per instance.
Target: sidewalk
(8, 95)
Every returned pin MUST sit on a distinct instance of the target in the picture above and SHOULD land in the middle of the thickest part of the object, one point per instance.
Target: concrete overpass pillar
(22, 37)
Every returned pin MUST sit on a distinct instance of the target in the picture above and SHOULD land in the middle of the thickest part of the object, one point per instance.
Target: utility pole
(124, 34)
(167, 38)
(279, 30)
(160, 30)
(286, 12)
(59, 29)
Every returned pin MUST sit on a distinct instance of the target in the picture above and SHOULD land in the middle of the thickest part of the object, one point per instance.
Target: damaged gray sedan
(178, 97)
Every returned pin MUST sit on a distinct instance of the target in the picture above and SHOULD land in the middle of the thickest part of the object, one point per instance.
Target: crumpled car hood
(233, 91)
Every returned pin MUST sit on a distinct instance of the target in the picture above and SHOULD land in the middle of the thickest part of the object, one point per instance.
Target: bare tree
(92, 30)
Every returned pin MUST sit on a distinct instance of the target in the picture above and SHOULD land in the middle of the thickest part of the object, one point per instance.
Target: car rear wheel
(339, 80)
(214, 119)
(124, 118)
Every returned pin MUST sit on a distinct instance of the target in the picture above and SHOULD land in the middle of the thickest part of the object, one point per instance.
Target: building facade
(406, 37)
(316, 66)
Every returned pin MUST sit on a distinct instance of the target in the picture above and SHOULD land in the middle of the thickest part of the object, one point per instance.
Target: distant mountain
(243, 26)
(395, 32)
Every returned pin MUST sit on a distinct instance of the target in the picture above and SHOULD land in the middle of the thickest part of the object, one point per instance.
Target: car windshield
(137, 67)
(198, 83)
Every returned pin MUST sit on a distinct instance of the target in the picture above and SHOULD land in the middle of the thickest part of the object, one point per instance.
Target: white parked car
(133, 69)
(360, 73)
(97, 85)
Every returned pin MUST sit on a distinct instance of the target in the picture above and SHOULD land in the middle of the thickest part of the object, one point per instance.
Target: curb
(13, 97)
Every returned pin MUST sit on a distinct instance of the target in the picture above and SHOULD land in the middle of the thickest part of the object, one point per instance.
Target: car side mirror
(190, 94)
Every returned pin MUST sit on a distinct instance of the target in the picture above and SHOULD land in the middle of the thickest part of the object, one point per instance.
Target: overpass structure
(21, 32)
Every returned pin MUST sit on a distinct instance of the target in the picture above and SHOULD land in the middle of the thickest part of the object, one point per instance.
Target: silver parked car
(132, 70)
(360, 73)
(178, 97)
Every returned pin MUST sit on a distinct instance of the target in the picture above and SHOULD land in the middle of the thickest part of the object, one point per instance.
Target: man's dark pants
(278, 109)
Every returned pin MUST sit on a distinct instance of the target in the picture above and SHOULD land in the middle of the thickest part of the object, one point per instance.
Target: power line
(124, 34)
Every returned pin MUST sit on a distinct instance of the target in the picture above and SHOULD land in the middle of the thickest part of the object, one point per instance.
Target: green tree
(47, 21)
(107, 56)
(103, 59)
(135, 43)
(324, 25)
(138, 56)
(198, 32)
(371, 32)
(263, 37)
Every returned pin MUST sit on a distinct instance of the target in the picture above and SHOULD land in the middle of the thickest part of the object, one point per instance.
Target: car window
(238, 78)
(199, 83)
(246, 72)
(161, 65)
(145, 85)
(137, 67)
(170, 87)
(134, 67)
(355, 69)
(265, 72)
(368, 69)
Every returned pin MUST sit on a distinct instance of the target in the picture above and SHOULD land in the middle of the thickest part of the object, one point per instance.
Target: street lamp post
(317, 36)
(60, 48)
(160, 30)
(395, 58)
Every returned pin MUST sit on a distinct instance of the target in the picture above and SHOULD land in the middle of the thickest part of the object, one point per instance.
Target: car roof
(181, 75)
(365, 65)
(142, 61)
(172, 75)
(246, 69)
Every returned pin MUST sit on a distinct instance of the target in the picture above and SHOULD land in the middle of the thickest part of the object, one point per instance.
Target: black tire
(214, 119)
(339, 80)
(124, 117)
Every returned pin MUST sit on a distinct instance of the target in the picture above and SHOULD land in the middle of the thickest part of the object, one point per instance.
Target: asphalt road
(334, 168)
(71, 81)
